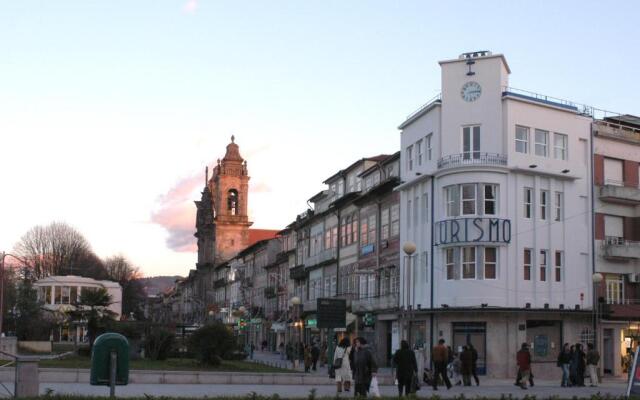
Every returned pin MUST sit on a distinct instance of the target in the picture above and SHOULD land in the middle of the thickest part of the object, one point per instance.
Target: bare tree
(57, 249)
(121, 270)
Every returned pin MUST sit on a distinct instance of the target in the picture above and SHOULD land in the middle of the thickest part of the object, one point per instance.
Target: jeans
(565, 375)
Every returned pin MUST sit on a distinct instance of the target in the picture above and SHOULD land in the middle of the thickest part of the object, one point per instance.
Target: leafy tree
(212, 343)
(93, 307)
(58, 249)
(120, 269)
(29, 322)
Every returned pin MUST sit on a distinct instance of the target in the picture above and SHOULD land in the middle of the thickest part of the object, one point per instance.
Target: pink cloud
(177, 213)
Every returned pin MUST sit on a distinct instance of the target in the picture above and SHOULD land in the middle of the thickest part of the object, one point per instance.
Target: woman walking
(564, 362)
(466, 361)
(342, 365)
(406, 368)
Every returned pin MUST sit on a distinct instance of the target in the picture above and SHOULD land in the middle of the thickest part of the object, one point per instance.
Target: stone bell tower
(229, 188)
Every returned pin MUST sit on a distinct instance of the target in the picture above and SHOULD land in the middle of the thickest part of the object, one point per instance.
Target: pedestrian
(466, 361)
(364, 367)
(315, 355)
(281, 350)
(593, 357)
(406, 368)
(440, 358)
(564, 362)
(573, 367)
(307, 358)
(323, 355)
(524, 364)
(455, 370)
(474, 366)
(580, 366)
(342, 366)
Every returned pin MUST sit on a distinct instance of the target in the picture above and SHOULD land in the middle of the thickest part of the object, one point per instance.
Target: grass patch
(171, 364)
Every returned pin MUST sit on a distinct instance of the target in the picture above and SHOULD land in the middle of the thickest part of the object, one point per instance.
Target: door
(608, 350)
(474, 333)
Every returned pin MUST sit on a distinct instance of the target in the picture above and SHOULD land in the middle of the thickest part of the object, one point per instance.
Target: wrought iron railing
(619, 241)
(436, 98)
(472, 158)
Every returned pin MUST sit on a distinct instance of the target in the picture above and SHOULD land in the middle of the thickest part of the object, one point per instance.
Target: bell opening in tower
(232, 201)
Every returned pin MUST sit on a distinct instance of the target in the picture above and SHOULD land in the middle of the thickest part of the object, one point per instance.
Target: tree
(93, 307)
(120, 269)
(158, 343)
(57, 249)
(29, 322)
(212, 343)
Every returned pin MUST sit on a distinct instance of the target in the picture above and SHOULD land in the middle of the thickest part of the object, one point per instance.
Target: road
(490, 388)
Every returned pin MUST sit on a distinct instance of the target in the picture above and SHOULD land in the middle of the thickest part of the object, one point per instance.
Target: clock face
(471, 91)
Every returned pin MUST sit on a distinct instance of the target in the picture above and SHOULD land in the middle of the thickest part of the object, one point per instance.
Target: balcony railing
(384, 302)
(616, 131)
(621, 192)
(472, 158)
(324, 255)
(619, 248)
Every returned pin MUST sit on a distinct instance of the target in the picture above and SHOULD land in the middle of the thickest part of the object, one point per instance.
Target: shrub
(158, 344)
(212, 343)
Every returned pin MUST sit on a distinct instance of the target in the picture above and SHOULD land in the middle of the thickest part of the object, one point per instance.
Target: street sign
(369, 320)
(332, 313)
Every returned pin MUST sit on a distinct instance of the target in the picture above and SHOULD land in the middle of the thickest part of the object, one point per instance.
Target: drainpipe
(593, 241)
(433, 206)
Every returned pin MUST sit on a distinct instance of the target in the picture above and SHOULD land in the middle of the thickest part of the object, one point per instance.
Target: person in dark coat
(364, 367)
(564, 362)
(315, 356)
(474, 367)
(580, 365)
(466, 360)
(406, 368)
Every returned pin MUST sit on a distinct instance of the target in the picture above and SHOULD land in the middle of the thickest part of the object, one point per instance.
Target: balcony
(323, 257)
(619, 192)
(378, 303)
(472, 158)
(617, 248)
(628, 309)
(618, 132)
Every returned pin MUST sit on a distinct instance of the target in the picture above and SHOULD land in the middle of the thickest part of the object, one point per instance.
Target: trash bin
(104, 345)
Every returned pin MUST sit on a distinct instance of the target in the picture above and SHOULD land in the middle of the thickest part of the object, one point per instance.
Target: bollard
(27, 381)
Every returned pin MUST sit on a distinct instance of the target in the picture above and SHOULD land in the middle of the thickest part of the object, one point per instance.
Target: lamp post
(409, 248)
(295, 304)
(596, 278)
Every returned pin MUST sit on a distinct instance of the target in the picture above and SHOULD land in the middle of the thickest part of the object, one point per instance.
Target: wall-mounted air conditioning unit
(634, 277)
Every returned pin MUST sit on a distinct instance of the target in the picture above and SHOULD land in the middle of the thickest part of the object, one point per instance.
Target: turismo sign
(473, 230)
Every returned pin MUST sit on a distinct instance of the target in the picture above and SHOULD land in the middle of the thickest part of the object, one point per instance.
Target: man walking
(593, 357)
(474, 370)
(524, 364)
(440, 357)
(364, 367)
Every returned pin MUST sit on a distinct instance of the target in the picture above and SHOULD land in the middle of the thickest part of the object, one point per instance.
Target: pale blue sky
(105, 106)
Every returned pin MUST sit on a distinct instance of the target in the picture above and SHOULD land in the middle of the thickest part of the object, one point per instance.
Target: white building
(60, 293)
(497, 198)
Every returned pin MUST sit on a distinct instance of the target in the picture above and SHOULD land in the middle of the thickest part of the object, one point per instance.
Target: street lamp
(409, 248)
(295, 303)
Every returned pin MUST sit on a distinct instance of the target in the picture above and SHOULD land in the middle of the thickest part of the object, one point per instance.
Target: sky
(110, 110)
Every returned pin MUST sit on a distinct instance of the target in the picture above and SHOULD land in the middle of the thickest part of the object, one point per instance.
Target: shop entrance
(608, 352)
(474, 333)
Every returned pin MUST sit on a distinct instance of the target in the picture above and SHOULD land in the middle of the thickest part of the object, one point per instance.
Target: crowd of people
(354, 365)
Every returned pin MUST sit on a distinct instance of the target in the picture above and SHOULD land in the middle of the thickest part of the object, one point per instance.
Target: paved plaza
(492, 389)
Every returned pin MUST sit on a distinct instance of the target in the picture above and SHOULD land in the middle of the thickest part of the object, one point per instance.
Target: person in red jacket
(523, 358)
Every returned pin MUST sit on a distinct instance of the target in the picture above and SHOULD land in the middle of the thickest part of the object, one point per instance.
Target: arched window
(232, 202)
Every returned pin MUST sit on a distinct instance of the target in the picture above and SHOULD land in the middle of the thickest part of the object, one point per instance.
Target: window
(613, 174)
(334, 285)
(425, 264)
(543, 265)
(544, 200)
(232, 202)
(372, 285)
(327, 239)
(395, 220)
(615, 290)
(364, 231)
(419, 151)
(66, 294)
(490, 262)
(468, 199)
(527, 264)
(490, 195)
(428, 146)
(528, 198)
(542, 137)
(560, 144)
(558, 262)
(558, 207)
(334, 237)
(450, 263)
(408, 213)
(410, 158)
(416, 204)
(471, 142)
(384, 224)
(346, 222)
(451, 200)
(354, 229)
(522, 139)
(468, 263)
(363, 286)
(74, 294)
(372, 229)
(613, 229)
(425, 207)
